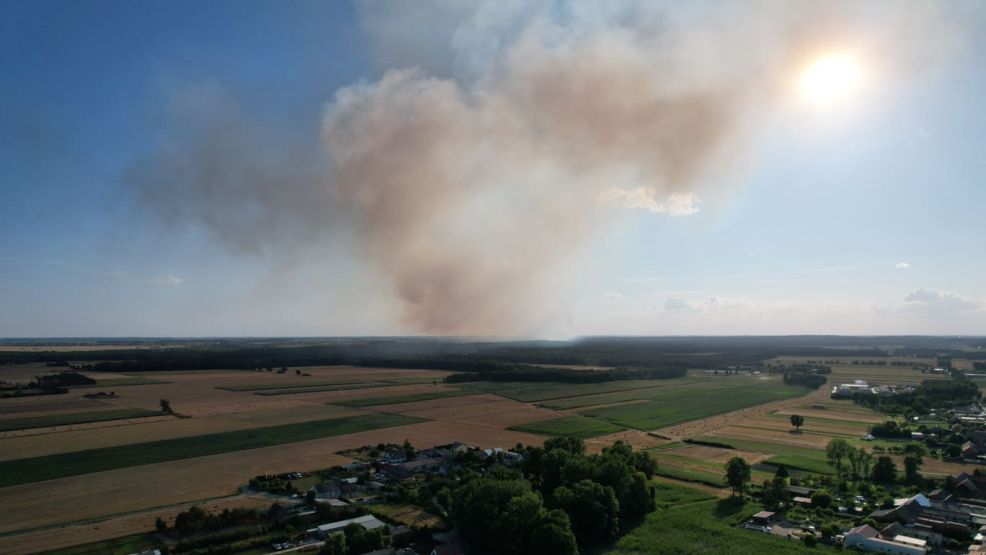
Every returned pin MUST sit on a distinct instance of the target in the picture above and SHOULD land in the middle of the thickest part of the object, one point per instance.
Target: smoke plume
(473, 181)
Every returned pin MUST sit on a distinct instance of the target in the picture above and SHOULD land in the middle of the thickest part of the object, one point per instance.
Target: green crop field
(579, 426)
(798, 462)
(530, 392)
(689, 522)
(291, 385)
(802, 458)
(676, 405)
(74, 418)
(661, 390)
(691, 469)
(316, 389)
(120, 382)
(36, 469)
(714, 479)
(397, 399)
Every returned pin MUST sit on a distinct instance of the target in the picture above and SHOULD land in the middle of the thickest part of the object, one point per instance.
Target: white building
(368, 522)
(867, 538)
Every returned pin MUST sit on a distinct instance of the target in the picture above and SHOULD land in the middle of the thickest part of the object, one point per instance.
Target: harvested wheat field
(138, 432)
(781, 438)
(78, 534)
(216, 475)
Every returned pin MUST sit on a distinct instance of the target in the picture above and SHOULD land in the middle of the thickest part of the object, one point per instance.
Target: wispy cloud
(944, 303)
(902, 265)
(613, 295)
(169, 280)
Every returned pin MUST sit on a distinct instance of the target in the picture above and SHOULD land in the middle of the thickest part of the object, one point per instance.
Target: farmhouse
(800, 491)
(763, 518)
(970, 485)
(945, 516)
(368, 522)
(849, 389)
(867, 538)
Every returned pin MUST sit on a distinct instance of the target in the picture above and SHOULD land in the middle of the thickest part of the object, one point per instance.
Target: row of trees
(856, 463)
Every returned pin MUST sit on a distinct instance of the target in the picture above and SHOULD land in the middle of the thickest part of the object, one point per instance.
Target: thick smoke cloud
(473, 181)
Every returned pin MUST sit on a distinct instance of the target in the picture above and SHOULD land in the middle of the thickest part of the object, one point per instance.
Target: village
(368, 506)
(933, 516)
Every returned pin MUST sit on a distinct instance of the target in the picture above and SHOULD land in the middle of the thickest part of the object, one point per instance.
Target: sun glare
(831, 79)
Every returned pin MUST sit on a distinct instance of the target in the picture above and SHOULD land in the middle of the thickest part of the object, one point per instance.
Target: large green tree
(837, 452)
(737, 474)
(592, 508)
(884, 471)
(506, 516)
(335, 544)
(797, 421)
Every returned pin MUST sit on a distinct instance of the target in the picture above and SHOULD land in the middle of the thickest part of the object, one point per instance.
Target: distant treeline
(662, 354)
(813, 381)
(527, 373)
(49, 384)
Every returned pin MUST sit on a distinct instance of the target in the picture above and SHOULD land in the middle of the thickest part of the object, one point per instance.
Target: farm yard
(764, 436)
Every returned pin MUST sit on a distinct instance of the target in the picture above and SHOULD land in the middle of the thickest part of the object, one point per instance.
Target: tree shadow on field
(729, 506)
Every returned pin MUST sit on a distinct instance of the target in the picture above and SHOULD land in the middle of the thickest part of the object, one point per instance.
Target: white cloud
(169, 280)
(614, 295)
(642, 198)
(903, 265)
(939, 302)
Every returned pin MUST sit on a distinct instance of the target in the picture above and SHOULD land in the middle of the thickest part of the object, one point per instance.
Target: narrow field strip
(74, 418)
(317, 389)
(532, 392)
(36, 469)
(292, 385)
(398, 399)
(120, 382)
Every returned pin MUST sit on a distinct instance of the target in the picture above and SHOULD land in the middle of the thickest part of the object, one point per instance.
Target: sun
(831, 79)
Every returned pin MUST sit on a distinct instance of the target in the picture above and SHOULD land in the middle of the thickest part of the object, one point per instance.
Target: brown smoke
(474, 194)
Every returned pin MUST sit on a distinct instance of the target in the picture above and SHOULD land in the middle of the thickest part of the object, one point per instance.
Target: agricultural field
(236, 424)
(669, 407)
(74, 418)
(401, 399)
(22, 471)
(690, 522)
(532, 392)
(578, 426)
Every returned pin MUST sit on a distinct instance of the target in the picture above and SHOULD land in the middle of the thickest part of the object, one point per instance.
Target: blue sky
(860, 218)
